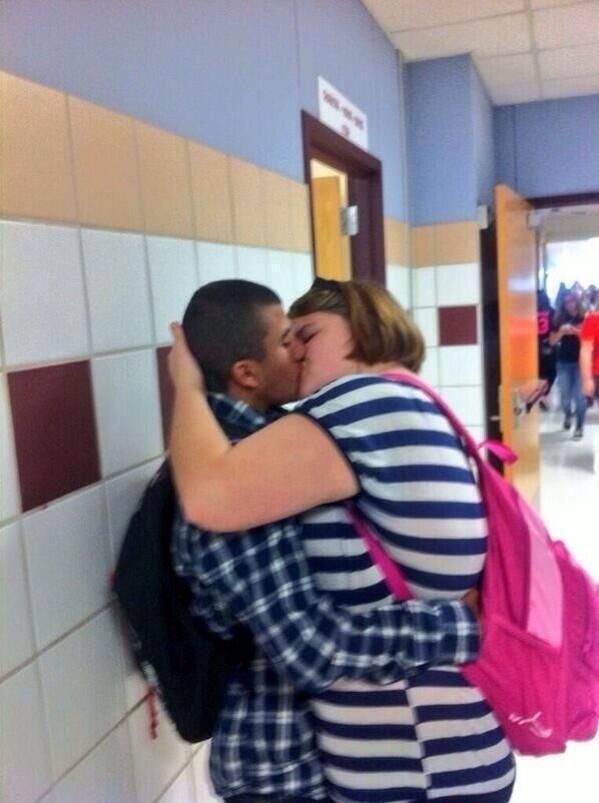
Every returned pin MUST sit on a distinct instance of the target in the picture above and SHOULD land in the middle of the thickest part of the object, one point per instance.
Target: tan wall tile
(301, 222)
(165, 181)
(457, 242)
(211, 192)
(36, 177)
(249, 225)
(106, 174)
(422, 246)
(397, 245)
(277, 204)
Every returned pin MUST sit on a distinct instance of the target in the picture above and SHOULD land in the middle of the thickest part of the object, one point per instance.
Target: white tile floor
(570, 507)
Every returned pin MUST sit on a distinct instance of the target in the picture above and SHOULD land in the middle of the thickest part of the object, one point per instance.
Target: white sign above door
(338, 113)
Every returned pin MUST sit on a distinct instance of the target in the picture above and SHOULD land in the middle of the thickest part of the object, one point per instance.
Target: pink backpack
(538, 665)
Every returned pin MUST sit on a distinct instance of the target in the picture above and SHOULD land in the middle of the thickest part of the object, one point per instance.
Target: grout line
(533, 46)
(470, 20)
(454, 23)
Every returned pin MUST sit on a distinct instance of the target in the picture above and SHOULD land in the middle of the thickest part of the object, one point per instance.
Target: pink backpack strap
(391, 572)
(502, 452)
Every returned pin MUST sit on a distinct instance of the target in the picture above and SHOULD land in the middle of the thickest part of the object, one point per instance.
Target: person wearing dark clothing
(565, 336)
(547, 368)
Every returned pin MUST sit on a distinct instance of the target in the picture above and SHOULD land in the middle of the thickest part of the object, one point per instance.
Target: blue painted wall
(440, 140)
(231, 74)
(549, 147)
(484, 140)
(451, 153)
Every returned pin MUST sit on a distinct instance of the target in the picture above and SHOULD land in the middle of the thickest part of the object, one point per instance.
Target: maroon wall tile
(166, 391)
(55, 431)
(457, 326)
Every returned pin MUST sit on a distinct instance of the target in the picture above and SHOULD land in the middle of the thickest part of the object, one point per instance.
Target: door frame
(364, 173)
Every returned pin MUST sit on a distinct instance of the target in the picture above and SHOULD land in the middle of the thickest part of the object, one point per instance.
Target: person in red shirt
(589, 354)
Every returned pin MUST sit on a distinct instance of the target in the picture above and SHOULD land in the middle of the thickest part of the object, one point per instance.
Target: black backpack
(187, 665)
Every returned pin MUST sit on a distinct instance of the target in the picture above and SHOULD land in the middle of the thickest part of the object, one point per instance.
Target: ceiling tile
(488, 37)
(559, 27)
(507, 70)
(569, 62)
(401, 15)
(515, 93)
(570, 87)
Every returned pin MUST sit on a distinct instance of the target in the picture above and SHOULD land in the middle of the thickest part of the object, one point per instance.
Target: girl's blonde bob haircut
(382, 331)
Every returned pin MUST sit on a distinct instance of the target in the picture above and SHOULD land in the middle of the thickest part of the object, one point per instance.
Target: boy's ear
(245, 373)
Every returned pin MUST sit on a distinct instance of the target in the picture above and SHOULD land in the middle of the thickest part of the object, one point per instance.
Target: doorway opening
(346, 203)
(569, 268)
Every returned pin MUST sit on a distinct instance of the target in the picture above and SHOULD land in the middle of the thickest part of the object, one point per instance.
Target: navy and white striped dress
(432, 735)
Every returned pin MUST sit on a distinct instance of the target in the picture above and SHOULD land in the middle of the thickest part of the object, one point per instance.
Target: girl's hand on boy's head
(183, 368)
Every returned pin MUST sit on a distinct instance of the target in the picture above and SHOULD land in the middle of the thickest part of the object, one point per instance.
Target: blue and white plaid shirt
(265, 741)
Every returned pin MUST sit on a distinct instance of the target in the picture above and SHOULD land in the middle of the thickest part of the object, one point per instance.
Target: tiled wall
(447, 305)
(397, 257)
(107, 226)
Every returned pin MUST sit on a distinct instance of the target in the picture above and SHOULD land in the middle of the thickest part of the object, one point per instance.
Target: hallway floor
(570, 507)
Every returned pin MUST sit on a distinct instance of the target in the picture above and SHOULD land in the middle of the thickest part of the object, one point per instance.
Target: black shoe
(567, 422)
(578, 434)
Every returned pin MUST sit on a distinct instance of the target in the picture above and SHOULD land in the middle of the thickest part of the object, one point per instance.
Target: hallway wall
(549, 147)
(450, 141)
(232, 75)
(107, 226)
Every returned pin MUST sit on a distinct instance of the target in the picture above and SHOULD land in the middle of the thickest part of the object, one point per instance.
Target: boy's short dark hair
(223, 323)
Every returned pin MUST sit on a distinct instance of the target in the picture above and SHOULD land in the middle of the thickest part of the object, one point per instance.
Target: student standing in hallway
(565, 337)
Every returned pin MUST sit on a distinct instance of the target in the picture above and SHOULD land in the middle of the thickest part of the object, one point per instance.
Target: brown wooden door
(329, 249)
(516, 279)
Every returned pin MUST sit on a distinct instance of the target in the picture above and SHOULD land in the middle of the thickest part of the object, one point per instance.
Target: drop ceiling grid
(524, 49)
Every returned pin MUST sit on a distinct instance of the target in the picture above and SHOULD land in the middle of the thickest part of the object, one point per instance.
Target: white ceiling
(525, 50)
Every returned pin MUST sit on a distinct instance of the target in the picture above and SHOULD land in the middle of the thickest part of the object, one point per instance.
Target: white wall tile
(24, 762)
(41, 295)
(282, 267)
(119, 298)
(215, 261)
(136, 687)
(460, 365)
(399, 284)
(127, 409)
(83, 690)
(458, 284)
(199, 764)
(467, 403)
(104, 776)
(478, 433)
(15, 615)
(304, 273)
(427, 320)
(181, 791)
(69, 559)
(124, 493)
(173, 278)
(423, 287)
(252, 264)
(156, 761)
(9, 491)
(430, 368)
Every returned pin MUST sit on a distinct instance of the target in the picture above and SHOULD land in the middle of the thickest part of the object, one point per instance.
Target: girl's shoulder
(364, 396)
